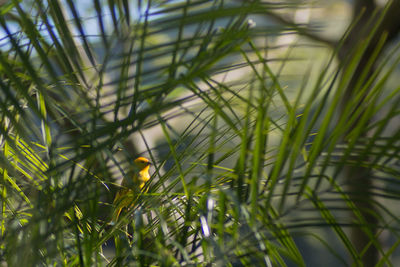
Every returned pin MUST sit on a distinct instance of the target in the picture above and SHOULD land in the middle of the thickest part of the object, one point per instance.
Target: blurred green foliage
(270, 145)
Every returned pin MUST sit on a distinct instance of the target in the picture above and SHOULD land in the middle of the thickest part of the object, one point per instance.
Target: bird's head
(142, 163)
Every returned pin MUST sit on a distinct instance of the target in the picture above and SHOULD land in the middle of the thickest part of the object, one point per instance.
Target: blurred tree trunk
(366, 16)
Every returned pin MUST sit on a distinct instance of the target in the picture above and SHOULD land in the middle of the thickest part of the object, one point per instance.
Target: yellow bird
(131, 188)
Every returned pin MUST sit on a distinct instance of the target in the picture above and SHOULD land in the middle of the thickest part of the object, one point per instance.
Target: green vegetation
(264, 152)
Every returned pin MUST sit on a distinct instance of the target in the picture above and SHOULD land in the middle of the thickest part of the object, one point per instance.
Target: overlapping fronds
(252, 151)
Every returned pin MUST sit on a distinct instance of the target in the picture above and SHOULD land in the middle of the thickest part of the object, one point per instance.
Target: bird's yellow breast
(144, 176)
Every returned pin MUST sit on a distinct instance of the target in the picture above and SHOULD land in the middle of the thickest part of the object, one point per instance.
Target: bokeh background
(272, 128)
